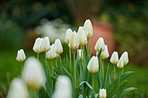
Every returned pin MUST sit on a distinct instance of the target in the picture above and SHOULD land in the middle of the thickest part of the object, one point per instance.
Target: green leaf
(126, 75)
(127, 91)
(105, 79)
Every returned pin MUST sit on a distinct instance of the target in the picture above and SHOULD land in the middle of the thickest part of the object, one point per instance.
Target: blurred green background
(21, 21)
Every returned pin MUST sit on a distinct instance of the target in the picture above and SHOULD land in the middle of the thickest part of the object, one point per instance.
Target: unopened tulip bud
(58, 46)
(37, 45)
(114, 58)
(18, 89)
(51, 54)
(120, 63)
(105, 54)
(80, 53)
(74, 41)
(82, 36)
(33, 73)
(46, 44)
(63, 88)
(125, 58)
(100, 44)
(67, 35)
(88, 28)
(21, 55)
(102, 93)
(93, 65)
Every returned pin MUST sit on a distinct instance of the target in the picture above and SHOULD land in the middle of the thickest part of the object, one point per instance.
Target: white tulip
(125, 58)
(45, 44)
(33, 73)
(88, 28)
(37, 45)
(79, 51)
(67, 35)
(18, 89)
(63, 88)
(100, 44)
(93, 65)
(21, 55)
(114, 58)
(58, 46)
(120, 63)
(105, 54)
(82, 36)
(51, 54)
(102, 93)
(74, 41)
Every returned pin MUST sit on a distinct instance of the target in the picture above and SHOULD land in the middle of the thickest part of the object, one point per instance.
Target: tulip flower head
(45, 44)
(102, 93)
(37, 45)
(51, 54)
(33, 73)
(93, 65)
(58, 46)
(63, 88)
(74, 41)
(125, 58)
(100, 44)
(120, 63)
(82, 36)
(105, 54)
(114, 58)
(79, 51)
(88, 29)
(67, 36)
(21, 55)
(18, 89)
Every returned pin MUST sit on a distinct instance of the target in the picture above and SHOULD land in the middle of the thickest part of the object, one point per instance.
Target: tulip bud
(88, 28)
(79, 51)
(105, 54)
(100, 44)
(74, 41)
(82, 37)
(58, 46)
(114, 58)
(33, 73)
(102, 93)
(67, 35)
(45, 44)
(37, 45)
(63, 88)
(93, 65)
(125, 58)
(18, 89)
(21, 55)
(51, 54)
(120, 63)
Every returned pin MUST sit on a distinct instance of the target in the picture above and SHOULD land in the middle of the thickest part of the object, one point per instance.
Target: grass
(10, 68)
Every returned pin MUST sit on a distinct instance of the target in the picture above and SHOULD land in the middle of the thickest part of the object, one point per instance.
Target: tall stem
(122, 70)
(102, 69)
(70, 58)
(45, 61)
(74, 66)
(87, 47)
(38, 56)
(114, 72)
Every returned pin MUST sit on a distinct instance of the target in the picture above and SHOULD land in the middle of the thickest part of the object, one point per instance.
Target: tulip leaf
(105, 79)
(127, 91)
(88, 85)
(121, 88)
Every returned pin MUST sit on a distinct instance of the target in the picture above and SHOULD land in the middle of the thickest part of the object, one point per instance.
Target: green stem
(87, 47)
(45, 61)
(114, 71)
(70, 58)
(74, 67)
(38, 56)
(122, 70)
(102, 70)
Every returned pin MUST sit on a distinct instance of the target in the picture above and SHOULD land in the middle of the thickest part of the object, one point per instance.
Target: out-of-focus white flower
(67, 36)
(102, 93)
(105, 54)
(93, 65)
(21, 55)
(79, 51)
(125, 58)
(45, 44)
(33, 73)
(120, 63)
(74, 41)
(18, 89)
(100, 44)
(82, 36)
(37, 45)
(63, 88)
(58, 46)
(51, 54)
(88, 28)
(114, 58)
